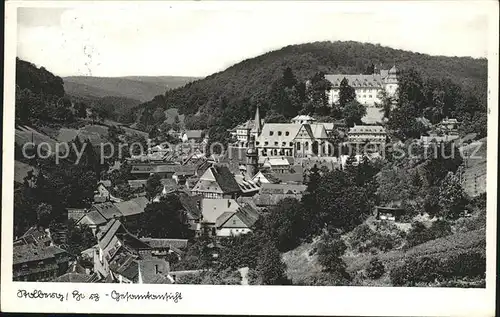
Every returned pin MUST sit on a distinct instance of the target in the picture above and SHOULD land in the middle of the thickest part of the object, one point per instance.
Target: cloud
(177, 40)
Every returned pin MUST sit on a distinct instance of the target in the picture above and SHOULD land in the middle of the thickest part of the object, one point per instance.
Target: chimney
(156, 269)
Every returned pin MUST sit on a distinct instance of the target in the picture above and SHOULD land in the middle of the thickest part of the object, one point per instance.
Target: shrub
(330, 250)
(375, 269)
(419, 233)
(466, 264)
(413, 271)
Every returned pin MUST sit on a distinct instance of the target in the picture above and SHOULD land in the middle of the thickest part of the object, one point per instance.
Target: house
(427, 141)
(374, 136)
(114, 241)
(76, 213)
(196, 136)
(128, 269)
(388, 213)
(77, 278)
(192, 209)
(366, 87)
(243, 132)
(161, 248)
(133, 206)
(36, 263)
(303, 119)
(277, 165)
(212, 209)
(290, 189)
(217, 182)
(144, 170)
(93, 219)
(236, 223)
(448, 126)
(35, 235)
(276, 178)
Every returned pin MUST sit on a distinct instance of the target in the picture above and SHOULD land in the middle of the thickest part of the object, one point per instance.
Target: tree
(346, 93)
(271, 269)
(80, 237)
(375, 269)
(153, 186)
(163, 219)
(330, 250)
(370, 69)
(452, 198)
(353, 112)
(44, 214)
(81, 110)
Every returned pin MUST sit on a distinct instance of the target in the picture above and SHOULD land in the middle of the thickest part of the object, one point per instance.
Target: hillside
(248, 83)
(140, 88)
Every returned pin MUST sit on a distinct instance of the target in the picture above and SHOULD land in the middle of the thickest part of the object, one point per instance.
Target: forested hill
(248, 83)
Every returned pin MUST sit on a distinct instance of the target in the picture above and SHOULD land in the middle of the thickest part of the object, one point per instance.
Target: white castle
(367, 87)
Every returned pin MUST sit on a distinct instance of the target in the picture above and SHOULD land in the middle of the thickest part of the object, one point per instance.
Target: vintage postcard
(292, 158)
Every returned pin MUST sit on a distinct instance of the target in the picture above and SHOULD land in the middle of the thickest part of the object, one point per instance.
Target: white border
(300, 300)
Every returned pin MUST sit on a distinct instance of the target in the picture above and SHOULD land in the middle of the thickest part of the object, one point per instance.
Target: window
(257, 143)
(284, 143)
(370, 96)
(291, 143)
(279, 133)
(298, 146)
(271, 132)
(287, 133)
(266, 143)
(276, 143)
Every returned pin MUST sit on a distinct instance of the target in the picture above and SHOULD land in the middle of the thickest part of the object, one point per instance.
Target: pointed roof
(393, 70)
(257, 123)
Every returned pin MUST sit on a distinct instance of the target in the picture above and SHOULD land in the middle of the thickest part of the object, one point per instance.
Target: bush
(386, 237)
(375, 269)
(419, 233)
(465, 265)
(413, 271)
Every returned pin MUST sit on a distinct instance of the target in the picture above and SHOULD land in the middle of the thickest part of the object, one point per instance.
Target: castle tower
(391, 81)
(252, 159)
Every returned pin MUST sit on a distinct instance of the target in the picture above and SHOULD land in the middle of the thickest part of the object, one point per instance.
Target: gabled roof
(222, 219)
(265, 135)
(246, 186)
(366, 81)
(194, 134)
(75, 278)
(282, 189)
(190, 204)
(108, 210)
(132, 207)
(166, 243)
(225, 179)
(248, 215)
(107, 233)
(92, 218)
(31, 252)
(213, 208)
(370, 129)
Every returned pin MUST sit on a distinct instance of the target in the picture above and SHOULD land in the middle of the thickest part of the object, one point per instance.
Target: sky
(198, 39)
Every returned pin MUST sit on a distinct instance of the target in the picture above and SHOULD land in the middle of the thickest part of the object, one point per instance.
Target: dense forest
(250, 82)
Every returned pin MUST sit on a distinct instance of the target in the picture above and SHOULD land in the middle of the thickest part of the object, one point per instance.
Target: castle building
(367, 87)
(252, 159)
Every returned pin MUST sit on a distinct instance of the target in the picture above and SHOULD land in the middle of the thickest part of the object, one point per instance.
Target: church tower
(257, 127)
(252, 159)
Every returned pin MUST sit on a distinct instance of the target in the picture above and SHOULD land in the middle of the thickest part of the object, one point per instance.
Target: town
(313, 196)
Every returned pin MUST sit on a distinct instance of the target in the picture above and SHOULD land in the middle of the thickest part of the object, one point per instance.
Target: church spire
(257, 123)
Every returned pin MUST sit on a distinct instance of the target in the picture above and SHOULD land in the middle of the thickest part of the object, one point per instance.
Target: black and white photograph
(244, 146)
